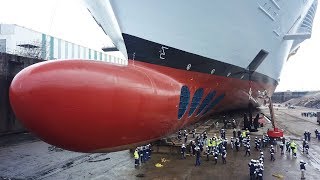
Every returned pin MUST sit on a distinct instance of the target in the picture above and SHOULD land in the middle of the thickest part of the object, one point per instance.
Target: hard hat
(271, 146)
(261, 153)
(301, 161)
(252, 160)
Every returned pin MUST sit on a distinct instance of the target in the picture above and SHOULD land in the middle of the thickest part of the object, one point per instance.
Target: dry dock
(24, 157)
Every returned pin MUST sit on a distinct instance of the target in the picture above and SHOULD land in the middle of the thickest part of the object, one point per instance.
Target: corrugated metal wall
(10, 65)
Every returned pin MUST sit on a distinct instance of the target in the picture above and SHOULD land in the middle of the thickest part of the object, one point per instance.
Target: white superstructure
(230, 31)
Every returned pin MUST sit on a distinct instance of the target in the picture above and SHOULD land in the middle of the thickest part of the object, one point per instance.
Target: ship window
(184, 101)
(196, 100)
(214, 103)
(206, 101)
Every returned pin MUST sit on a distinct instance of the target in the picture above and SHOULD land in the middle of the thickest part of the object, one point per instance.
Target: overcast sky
(69, 20)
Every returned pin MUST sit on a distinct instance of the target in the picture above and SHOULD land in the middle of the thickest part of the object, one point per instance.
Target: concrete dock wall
(10, 65)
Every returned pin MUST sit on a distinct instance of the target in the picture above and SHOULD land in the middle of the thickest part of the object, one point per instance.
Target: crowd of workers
(142, 154)
(309, 114)
(216, 148)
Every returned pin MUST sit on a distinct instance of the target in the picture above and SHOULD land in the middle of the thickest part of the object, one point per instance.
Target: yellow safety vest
(247, 132)
(292, 144)
(218, 142)
(136, 155)
(295, 150)
(214, 143)
(244, 134)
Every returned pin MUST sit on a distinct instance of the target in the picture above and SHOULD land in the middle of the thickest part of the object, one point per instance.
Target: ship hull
(90, 106)
(187, 61)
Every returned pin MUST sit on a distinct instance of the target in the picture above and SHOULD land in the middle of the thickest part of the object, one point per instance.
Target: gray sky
(69, 20)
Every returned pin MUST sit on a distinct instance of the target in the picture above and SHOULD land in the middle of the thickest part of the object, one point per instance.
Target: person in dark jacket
(302, 169)
(183, 151)
(224, 156)
(216, 154)
(198, 156)
(237, 144)
(247, 146)
(309, 135)
(272, 151)
(252, 168)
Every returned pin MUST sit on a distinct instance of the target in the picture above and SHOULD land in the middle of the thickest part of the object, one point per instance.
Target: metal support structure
(297, 36)
(271, 112)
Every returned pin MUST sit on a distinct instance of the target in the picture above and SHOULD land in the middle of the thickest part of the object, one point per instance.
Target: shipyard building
(25, 42)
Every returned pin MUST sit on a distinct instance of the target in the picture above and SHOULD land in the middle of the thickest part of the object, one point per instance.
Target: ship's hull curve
(91, 106)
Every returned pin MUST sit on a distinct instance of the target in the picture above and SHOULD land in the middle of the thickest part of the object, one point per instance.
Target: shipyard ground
(24, 157)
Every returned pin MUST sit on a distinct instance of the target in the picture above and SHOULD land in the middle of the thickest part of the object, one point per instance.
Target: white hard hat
(301, 161)
(261, 152)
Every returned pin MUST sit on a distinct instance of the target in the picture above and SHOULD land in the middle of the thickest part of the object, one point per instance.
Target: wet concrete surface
(29, 158)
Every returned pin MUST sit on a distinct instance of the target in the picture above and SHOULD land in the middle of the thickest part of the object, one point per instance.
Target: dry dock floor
(22, 157)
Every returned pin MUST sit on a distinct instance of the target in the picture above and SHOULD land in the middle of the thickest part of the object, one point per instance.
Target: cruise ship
(186, 61)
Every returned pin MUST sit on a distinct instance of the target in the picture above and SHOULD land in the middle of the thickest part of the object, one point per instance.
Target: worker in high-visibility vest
(136, 158)
(294, 149)
(244, 134)
(247, 132)
(214, 144)
(208, 141)
(292, 145)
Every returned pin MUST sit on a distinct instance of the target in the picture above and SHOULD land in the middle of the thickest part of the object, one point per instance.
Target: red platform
(275, 133)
